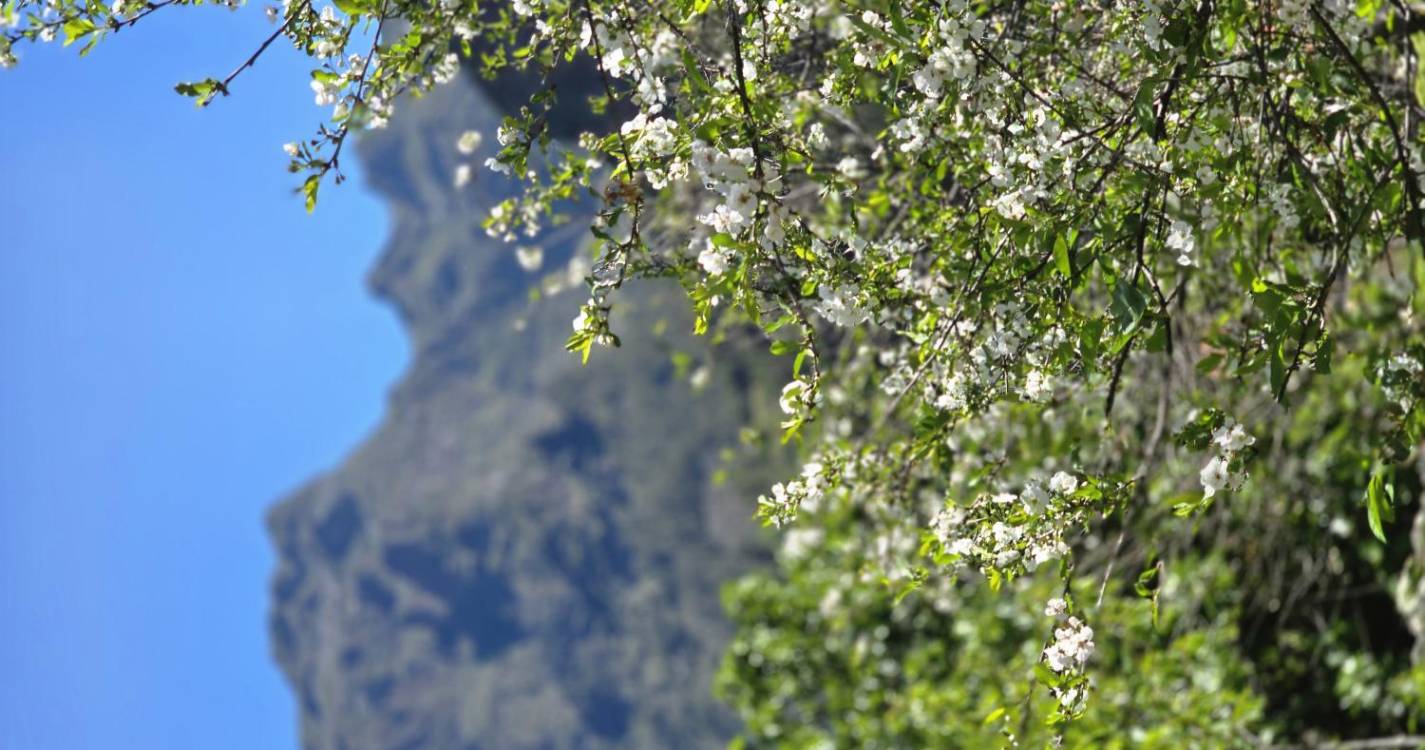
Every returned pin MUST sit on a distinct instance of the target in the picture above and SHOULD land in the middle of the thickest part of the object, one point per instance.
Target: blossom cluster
(789, 498)
(1068, 654)
(1225, 469)
(1008, 534)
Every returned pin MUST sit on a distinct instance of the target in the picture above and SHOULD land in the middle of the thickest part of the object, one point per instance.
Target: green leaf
(1209, 363)
(1061, 257)
(793, 427)
(1380, 498)
(352, 7)
(1418, 41)
(1128, 305)
(1177, 33)
(76, 29)
(1090, 340)
(1147, 581)
(309, 189)
(1277, 371)
(723, 239)
(1324, 350)
(89, 45)
(1143, 105)
(580, 342)
(202, 91)
(1158, 339)
(1267, 298)
(780, 323)
(694, 74)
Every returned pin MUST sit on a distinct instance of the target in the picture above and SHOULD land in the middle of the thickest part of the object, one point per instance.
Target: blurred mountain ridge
(526, 553)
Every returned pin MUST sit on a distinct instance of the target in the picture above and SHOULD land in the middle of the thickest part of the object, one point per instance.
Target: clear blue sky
(180, 344)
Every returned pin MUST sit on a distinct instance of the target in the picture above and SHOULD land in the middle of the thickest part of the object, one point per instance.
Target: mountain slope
(526, 553)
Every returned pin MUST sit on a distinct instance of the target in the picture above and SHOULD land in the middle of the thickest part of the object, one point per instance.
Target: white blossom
(714, 260)
(1213, 476)
(850, 168)
(839, 306)
(468, 142)
(1038, 386)
(462, 175)
(495, 165)
(1063, 483)
(530, 258)
(1180, 238)
(1232, 438)
(1072, 646)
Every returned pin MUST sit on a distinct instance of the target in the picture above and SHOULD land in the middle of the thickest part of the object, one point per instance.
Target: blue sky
(180, 344)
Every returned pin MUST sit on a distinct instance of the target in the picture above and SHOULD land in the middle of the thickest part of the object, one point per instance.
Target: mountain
(526, 553)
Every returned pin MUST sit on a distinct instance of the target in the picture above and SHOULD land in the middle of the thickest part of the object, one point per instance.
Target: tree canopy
(1103, 319)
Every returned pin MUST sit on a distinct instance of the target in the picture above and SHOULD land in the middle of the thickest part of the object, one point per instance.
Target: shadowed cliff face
(526, 553)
